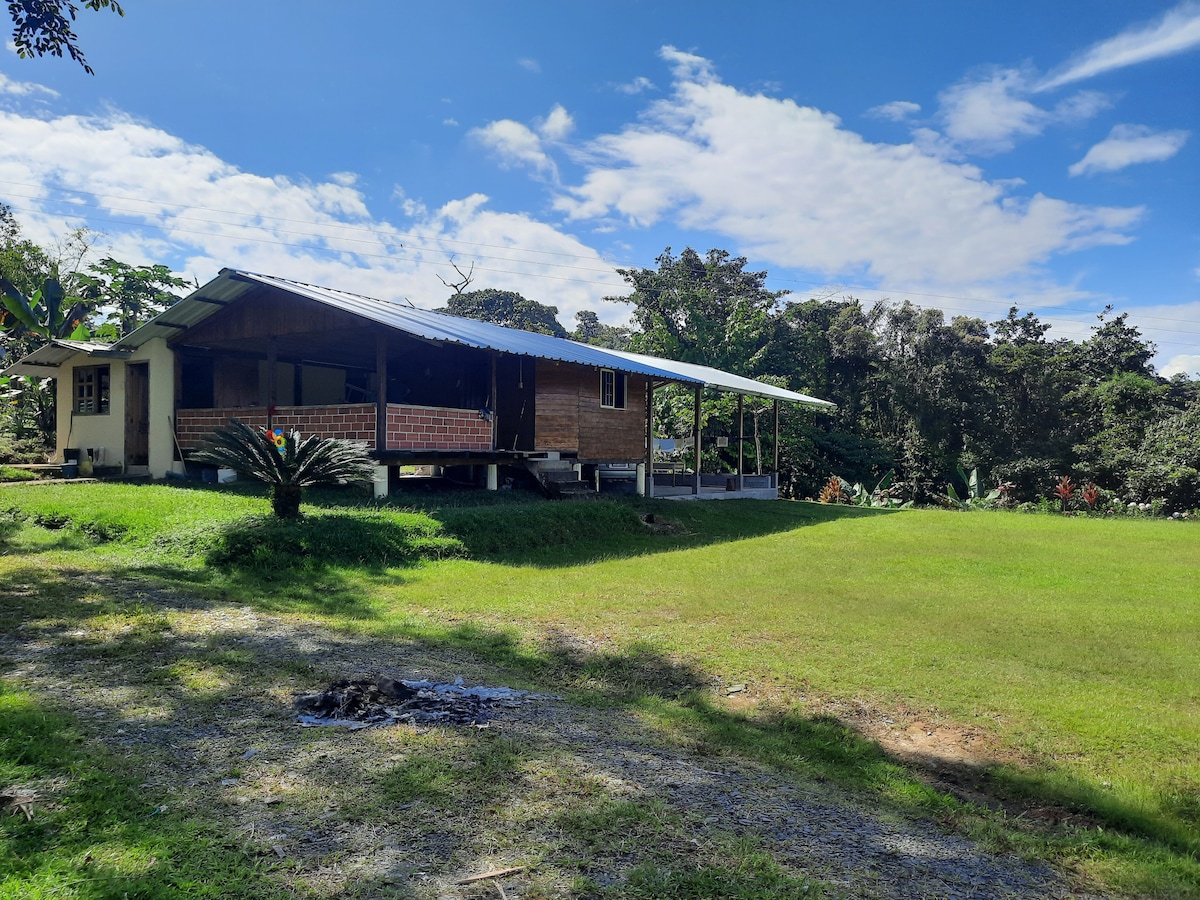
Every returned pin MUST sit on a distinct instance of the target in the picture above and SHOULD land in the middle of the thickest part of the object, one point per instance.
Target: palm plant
(287, 463)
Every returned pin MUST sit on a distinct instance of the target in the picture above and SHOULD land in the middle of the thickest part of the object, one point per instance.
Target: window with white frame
(92, 389)
(612, 389)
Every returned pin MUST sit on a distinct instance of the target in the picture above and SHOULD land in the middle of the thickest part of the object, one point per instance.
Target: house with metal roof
(415, 387)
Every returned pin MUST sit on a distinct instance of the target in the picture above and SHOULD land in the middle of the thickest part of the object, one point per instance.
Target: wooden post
(381, 373)
(696, 438)
(741, 479)
(492, 402)
(775, 470)
(649, 437)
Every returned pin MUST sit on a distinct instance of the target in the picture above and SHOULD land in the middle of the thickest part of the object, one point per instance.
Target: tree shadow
(560, 534)
(162, 652)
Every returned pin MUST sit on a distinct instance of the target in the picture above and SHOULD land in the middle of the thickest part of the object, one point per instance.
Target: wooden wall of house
(272, 314)
(571, 420)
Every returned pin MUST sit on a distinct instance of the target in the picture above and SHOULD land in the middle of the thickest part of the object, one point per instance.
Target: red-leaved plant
(1091, 495)
(1064, 491)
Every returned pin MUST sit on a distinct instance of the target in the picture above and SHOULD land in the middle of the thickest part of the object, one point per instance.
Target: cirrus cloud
(1127, 145)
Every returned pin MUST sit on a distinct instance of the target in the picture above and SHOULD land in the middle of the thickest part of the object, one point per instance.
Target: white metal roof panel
(44, 361)
(727, 381)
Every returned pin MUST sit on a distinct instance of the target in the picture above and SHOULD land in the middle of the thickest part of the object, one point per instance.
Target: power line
(387, 239)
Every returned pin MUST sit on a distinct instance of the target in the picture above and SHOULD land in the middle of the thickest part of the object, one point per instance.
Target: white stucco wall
(108, 431)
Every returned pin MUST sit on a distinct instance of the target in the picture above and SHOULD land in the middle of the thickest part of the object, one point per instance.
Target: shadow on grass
(142, 655)
(559, 534)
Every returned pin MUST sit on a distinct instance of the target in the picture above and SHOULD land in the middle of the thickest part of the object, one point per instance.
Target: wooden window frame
(92, 390)
(615, 394)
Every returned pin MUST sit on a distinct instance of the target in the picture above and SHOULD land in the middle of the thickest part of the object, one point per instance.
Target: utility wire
(390, 238)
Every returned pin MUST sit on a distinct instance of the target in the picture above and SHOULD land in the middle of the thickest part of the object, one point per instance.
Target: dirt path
(199, 696)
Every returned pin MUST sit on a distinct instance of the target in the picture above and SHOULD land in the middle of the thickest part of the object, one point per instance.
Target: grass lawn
(1031, 680)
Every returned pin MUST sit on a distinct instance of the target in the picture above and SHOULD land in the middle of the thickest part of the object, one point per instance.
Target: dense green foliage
(916, 394)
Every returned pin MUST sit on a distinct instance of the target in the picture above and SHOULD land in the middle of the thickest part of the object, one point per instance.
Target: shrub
(369, 537)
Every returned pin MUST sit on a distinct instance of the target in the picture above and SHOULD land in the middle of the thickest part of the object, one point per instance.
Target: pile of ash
(366, 700)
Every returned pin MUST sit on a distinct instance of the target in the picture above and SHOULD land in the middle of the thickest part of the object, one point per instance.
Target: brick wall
(436, 428)
(408, 427)
(350, 422)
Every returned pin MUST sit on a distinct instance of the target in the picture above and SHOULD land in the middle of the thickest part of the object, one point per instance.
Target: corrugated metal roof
(727, 381)
(424, 323)
(43, 361)
(231, 284)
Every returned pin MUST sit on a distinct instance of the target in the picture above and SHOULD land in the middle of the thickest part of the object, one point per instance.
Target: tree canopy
(507, 308)
(46, 26)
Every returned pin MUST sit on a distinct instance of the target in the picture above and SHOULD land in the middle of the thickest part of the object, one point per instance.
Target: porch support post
(495, 415)
(493, 477)
(696, 438)
(775, 469)
(741, 476)
(381, 373)
(649, 476)
(379, 481)
(272, 393)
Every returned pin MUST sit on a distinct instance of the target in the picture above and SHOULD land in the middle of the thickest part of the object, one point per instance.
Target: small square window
(612, 389)
(92, 390)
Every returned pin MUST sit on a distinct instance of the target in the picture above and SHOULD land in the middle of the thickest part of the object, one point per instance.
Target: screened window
(612, 389)
(92, 390)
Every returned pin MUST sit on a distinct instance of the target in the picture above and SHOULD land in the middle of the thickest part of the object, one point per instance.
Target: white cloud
(1177, 31)
(896, 111)
(450, 123)
(639, 85)
(530, 65)
(159, 199)
(1181, 364)
(793, 187)
(1127, 145)
(515, 144)
(24, 88)
(345, 179)
(988, 115)
(557, 125)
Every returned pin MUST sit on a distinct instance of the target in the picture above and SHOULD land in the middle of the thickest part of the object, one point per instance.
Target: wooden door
(137, 414)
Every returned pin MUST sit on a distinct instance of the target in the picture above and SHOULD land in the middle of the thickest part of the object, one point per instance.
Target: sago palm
(288, 463)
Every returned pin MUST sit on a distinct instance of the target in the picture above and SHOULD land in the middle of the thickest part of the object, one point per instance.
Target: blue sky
(968, 156)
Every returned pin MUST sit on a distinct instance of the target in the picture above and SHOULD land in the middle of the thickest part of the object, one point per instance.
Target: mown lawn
(1070, 646)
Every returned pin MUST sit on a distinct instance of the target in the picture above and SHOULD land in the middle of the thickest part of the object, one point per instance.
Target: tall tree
(706, 310)
(45, 26)
(131, 294)
(507, 308)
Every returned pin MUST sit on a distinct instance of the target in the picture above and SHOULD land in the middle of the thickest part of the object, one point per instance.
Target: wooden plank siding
(571, 420)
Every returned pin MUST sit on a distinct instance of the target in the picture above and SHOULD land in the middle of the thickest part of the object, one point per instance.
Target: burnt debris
(368, 700)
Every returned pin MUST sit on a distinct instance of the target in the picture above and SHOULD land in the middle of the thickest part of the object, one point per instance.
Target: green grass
(1072, 646)
(11, 473)
(94, 832)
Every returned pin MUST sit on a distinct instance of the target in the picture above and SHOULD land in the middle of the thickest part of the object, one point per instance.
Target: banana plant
(878, 497)
(975, 497)
(48, 312)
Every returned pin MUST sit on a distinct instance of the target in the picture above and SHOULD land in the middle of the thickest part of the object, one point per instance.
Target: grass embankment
(1069, 647)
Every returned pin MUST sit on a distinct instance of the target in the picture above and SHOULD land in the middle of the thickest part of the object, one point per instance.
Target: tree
(1168, 463)
(507, 308)
(288, 463)
(44, 26)
(590, 330)
(131, 294)
(706, 310)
